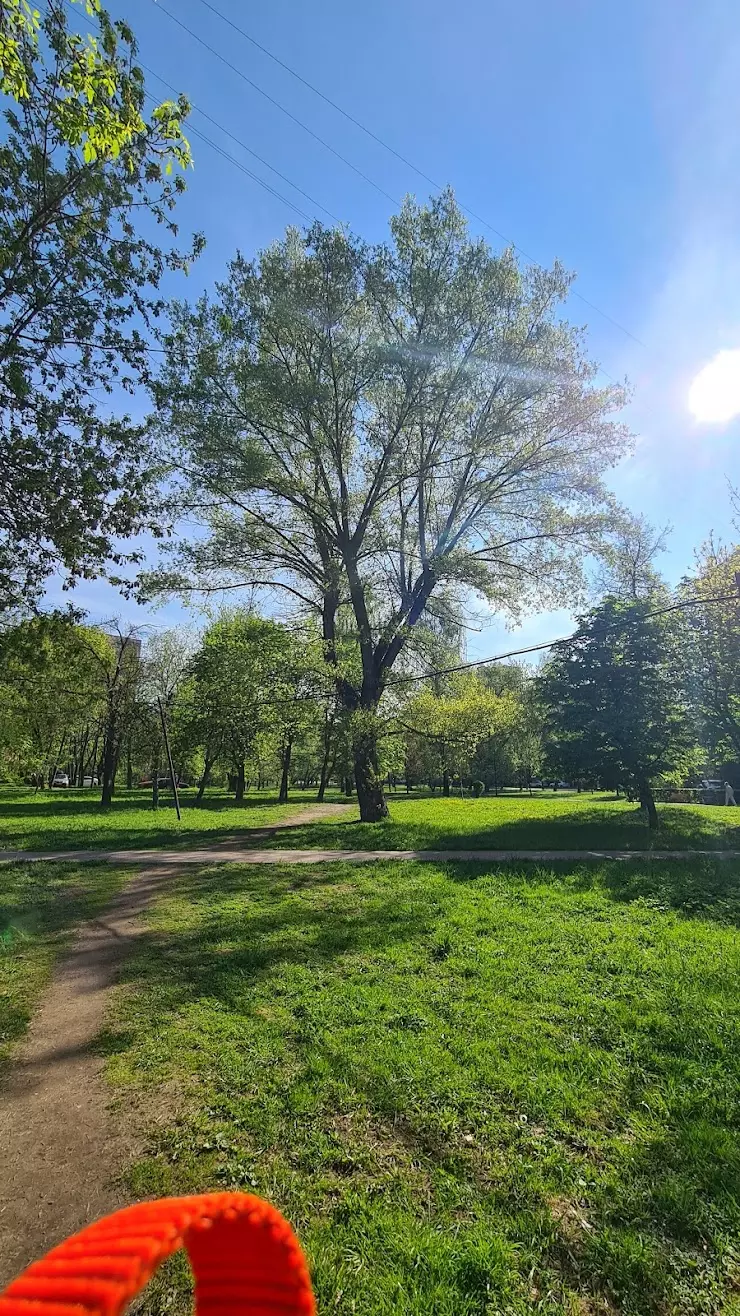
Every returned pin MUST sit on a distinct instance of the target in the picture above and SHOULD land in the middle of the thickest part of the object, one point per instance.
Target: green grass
(40, 905)
(474, 1089)
(543, 821)
(73, 819)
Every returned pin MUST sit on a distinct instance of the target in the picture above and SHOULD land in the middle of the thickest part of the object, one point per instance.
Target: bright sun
(714, 396)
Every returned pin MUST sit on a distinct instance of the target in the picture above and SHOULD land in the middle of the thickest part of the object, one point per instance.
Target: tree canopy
(381, 430)
(617, 697)
(80, 166)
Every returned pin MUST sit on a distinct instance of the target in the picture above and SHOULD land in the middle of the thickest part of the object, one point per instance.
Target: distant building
(132, 643)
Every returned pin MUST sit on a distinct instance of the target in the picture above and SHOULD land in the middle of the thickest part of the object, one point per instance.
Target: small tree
(51, 694)
(616, 697)
(456, 724)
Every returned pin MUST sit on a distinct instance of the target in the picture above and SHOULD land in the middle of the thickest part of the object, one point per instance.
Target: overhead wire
(240, 142)
(226, 155)
(580, 634)
(403, 158)
(274, 101)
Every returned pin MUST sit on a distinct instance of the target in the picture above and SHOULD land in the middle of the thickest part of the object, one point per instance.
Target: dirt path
(314, 813)
(58, 1151)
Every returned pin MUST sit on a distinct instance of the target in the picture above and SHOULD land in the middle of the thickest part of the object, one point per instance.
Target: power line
(404, 159)
(230, 158)
(273, 101)
(447, 671)
(564, 640)
(243, 145)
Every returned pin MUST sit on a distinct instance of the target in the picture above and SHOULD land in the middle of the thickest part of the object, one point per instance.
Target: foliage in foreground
(472, 1091)
(84, 182)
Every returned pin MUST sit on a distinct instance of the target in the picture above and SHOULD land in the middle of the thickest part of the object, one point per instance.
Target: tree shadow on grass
(75, 820)
(218, 955)
(591, 828)
(703, 888)
(670, 1188)
(40, 905)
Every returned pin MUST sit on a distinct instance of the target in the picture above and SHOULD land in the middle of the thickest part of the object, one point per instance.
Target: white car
(60, 779)
(89, 781)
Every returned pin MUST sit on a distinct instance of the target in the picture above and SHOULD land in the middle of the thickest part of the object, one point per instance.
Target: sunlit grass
(73, 819)
(542, 821)
(473, 1089)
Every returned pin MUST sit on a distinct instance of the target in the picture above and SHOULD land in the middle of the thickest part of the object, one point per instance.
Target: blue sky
(604, 134)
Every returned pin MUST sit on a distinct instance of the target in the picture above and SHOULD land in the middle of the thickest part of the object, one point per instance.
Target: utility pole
(169, 757)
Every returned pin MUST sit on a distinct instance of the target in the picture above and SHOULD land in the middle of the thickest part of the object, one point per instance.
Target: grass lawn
(543, 821)
(473, 1089)
(40, 904)
(73, 819)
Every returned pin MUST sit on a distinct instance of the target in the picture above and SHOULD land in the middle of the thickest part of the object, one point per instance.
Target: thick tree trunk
(370, 798)
(647, 802)
(287, 751)
(240, 783)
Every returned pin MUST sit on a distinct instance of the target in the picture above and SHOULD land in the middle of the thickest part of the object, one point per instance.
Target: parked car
(60, 779)
(90, 781)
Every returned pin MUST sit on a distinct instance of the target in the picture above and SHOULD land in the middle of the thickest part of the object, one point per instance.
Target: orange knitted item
(245, 1259)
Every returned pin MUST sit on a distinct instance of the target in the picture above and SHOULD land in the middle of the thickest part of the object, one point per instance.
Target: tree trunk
(240, 783)
(283, 796)
(129, 766)
(109, 761)
(445, 782)
(647, 802)
(207, 765)
(373, 807)
(326, 767)
(155, 779)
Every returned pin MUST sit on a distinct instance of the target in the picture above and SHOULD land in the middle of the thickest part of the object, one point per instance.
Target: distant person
(729, 794)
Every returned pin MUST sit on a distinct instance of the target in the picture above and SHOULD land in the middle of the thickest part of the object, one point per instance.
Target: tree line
(645, 693)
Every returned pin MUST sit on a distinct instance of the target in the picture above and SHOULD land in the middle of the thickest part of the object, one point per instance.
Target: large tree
(382, 430)
(86, 179)
(617, 698)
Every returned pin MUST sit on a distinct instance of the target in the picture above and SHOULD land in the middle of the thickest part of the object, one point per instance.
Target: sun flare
(714, 396)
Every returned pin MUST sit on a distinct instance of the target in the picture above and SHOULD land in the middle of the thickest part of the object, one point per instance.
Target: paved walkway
(234, 855)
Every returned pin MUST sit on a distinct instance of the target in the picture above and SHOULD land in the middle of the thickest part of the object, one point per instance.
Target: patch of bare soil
(59, 1147)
